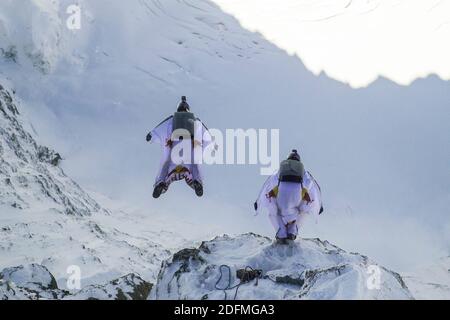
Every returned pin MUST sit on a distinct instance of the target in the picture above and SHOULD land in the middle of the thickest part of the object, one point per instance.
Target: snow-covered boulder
(29, 173)
(35, 282)
(304, 269)
(129, 287)
(30, 282)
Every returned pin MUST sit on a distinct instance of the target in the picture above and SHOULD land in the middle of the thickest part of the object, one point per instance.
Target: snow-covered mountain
(379, 153)
(305, 269)
(30, 174)
(109, 83)
(57, 216)
(56, 224)
(47, 218)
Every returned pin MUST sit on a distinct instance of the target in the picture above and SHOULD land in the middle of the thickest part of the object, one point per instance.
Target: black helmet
(294, 155)
(183, 106)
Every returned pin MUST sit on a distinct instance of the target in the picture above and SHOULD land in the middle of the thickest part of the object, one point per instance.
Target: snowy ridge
(305, 269)
(29, 173)
(35, 282)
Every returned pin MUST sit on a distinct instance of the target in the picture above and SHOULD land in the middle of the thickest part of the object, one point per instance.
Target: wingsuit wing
(202, 132)
(312, 207)
(263, 201)
(162, 132)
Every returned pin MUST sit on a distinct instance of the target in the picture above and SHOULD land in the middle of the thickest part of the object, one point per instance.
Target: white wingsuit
(170, 171)
(289, 203)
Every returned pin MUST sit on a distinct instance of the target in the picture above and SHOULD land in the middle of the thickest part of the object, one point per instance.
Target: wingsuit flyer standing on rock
(182, 126)
(289, 195)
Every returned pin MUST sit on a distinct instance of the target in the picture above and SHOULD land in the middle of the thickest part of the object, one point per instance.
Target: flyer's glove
(149, 137)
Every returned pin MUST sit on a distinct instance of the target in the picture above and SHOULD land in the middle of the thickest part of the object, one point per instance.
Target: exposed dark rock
(290, 280)
(49, 156)
(186, 254)
(10, 53)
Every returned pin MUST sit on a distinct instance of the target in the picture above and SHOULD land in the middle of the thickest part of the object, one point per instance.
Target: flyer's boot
(160, 188)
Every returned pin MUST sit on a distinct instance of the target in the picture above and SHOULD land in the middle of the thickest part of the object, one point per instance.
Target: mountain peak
(304, 269)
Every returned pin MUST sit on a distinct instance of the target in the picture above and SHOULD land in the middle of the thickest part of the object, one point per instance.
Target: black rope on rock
(245, 275)
(228, 287)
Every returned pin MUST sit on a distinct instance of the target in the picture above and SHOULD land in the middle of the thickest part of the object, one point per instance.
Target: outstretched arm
(161, 132)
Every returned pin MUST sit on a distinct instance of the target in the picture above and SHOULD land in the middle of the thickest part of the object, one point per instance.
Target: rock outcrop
(304, 269)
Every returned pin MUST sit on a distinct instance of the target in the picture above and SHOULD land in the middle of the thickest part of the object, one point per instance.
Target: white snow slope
(430, 282)
(380, 153)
